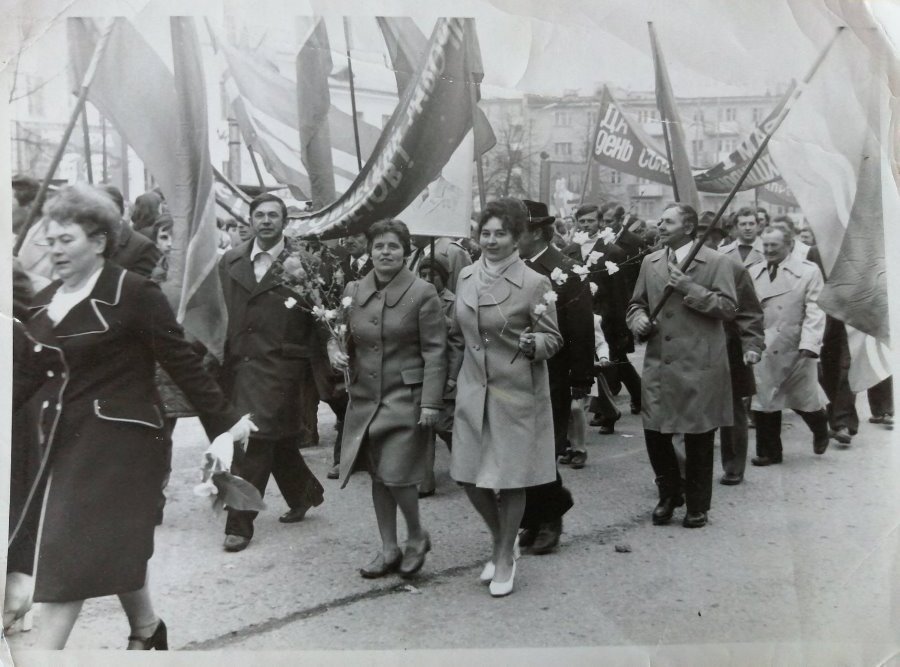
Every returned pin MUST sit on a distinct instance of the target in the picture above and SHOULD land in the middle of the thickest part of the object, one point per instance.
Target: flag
(313, 105)
(433, 117)
(834, 152)
(407, 46)
(265, 106)
(684, 186)
(193, 206)
(133, 89)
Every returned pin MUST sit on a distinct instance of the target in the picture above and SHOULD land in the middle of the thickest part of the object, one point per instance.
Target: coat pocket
(129, 412)
(413, 375)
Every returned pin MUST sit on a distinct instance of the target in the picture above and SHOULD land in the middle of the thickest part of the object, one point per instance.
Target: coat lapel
(86, 317)
(241, 269)
(398, 286)
(785, 280)
(466, 291)
(659, 262)
(270, 279)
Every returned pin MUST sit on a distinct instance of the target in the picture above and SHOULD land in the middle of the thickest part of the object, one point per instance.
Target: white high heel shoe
(487, 573)
(500, 589)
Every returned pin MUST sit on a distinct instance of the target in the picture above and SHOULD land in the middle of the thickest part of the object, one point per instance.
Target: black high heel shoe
(158, 641)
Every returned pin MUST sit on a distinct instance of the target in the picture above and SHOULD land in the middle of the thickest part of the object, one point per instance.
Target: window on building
(646, 115)
(729, 114)
(592, 119)
(698, 116)
(757, 114)
(697, 148)
(562, 119)
(562, 149)
(615, 176)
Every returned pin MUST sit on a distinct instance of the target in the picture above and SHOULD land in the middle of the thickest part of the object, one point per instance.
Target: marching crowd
(507, 345)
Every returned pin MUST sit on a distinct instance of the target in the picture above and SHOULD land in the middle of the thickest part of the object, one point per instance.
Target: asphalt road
(798, 565)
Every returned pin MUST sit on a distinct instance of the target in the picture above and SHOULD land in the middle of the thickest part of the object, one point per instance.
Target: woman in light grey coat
(504, 331)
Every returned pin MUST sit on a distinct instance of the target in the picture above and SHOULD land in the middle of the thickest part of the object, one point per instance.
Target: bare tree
(506, 163)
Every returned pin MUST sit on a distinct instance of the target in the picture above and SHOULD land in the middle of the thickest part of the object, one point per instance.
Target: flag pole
(473, 97)
(352, 94)
(259, 175)
(776, 123)
(590, 159)
(231, 186)
(86, 135)
(664, 119)
(89, 74)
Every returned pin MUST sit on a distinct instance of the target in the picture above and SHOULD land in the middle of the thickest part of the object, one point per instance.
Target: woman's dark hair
(89, 208)
(511, 212)
(389, 226)
(146, 210)
(163, 222)
(688, 216)
(267, 197)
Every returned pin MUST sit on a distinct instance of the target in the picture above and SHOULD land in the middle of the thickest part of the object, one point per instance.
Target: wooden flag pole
(259, 175)
(86, 135)
(776, 123)
(359, 162)
(89, 74)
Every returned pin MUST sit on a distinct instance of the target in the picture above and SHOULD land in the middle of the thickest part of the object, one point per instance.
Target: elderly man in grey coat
(686, 375)
(787, 376)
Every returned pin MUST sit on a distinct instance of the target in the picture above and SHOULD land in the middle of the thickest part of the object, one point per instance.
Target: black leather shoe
(578, 459)
(731, 479)
(597, 420)
(426, 494)
(294, 515)
(414, 559)
(694, 520)
(565, 458)
(665, 508)
(335, 472)
(527, 536)
(380, 567)
(842, 435)
(547, 538)
(635, 408)
(235, 543)
(158, 641)
(820, 444)
(608, 428)
(765, 460)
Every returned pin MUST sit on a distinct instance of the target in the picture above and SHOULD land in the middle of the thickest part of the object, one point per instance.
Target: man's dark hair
(267, 197)
(745, 211)
(616, 207)
(585, 209)
(115, 194)
(764, 212)
(688, 216)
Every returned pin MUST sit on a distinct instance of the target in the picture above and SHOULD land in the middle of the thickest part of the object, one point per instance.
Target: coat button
(668, 338)
(374, 320)
(38, 347)
(45, 405)
(50, 374)
(477, 347)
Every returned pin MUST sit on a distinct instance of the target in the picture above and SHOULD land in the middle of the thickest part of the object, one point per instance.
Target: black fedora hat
(538, 215)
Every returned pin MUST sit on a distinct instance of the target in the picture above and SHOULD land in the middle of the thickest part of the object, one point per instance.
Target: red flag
(193, 207)
(684, 186)
(314, 104)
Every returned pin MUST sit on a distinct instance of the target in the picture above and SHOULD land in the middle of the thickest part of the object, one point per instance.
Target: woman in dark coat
(398, 370)
(92, 340)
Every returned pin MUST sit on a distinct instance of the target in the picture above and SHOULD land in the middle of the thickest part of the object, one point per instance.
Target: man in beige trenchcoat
(787, 376)
(686, 379)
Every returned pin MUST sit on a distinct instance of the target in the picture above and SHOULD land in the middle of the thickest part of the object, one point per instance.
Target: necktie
(773, 269)
(261, 264)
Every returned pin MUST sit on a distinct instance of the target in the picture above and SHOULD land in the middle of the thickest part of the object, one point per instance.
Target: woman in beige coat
(504, 330)
(398, 370)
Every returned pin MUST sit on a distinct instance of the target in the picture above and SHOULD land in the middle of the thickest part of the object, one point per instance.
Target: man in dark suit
(133, 252)
(570, 372)
(267, 366)
(610, 301)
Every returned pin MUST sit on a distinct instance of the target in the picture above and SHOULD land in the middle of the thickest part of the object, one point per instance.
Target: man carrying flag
(686, 363)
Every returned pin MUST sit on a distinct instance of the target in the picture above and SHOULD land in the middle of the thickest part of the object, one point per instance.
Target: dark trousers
(622, 371)
(734, 438)
(833, 376)
(548, 502)
(338, 406)
(281, 458)
(881, 398)
(768, 430)
(698, 467)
